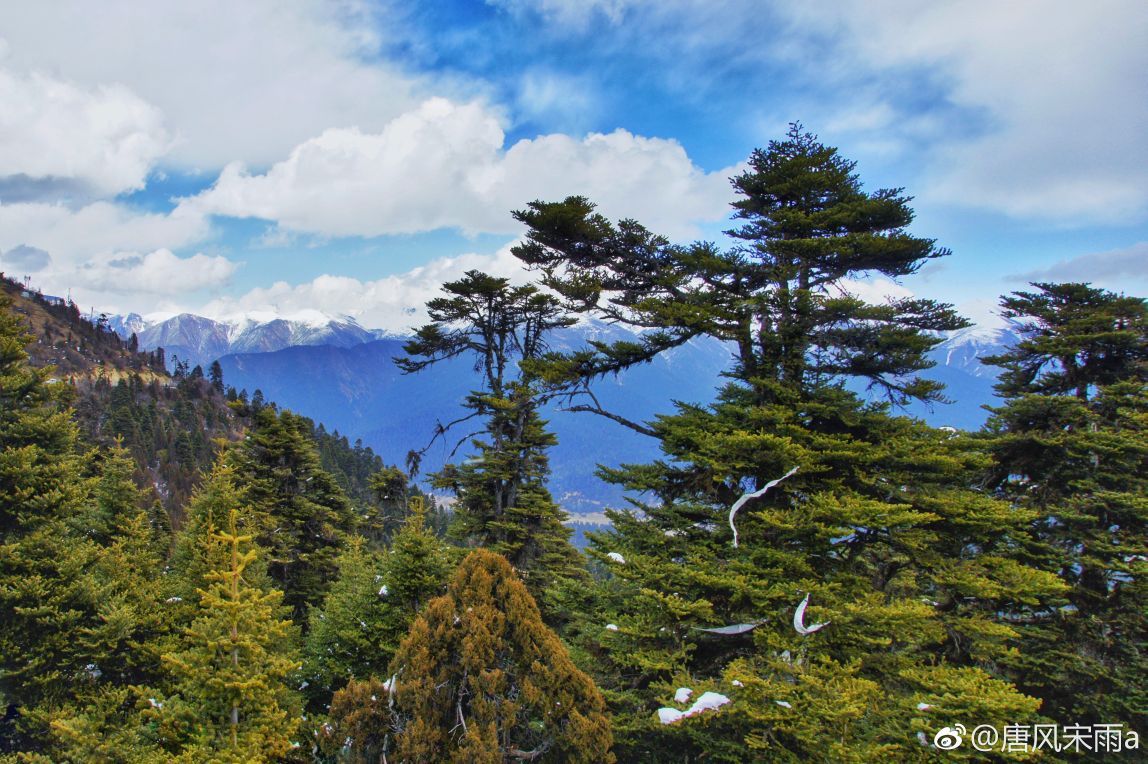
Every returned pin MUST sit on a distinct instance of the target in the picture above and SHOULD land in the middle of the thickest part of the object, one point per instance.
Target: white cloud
(159, 272)
(1055, 86)
(396, 303)
(876, 290)
(548, 97)
(443, 165)
(1030, 108)
(236, 80)
(73, 236)
(1113, 268)
(103, 138)
(24, 260)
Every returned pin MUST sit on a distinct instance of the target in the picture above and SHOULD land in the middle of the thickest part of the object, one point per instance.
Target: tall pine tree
(846, 515)
(503, 502)
(1071, 445)
(46, 553)
(303, 517)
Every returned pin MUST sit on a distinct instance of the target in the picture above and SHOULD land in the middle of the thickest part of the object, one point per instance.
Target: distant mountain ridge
(201, 340)
(341, 374)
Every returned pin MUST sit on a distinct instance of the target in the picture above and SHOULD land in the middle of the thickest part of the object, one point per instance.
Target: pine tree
(1071, 444)
(503, 502)
(231, 673)
(360, 723)
(480, 678)
(344, 639)
(303, 516)
(389, 486)
(1075, 338)
(126, 579)
(370, 607)
(871, 521)
(215, 374)
(45, 558)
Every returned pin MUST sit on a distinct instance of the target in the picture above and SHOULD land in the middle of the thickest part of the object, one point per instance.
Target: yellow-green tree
(480, 678)
(232, 696)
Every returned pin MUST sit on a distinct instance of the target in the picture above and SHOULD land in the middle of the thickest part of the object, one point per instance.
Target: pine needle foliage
(46, 555)
(480, 678)
(237, 655)
(503, 503)
(910, 568)
(1070, 445)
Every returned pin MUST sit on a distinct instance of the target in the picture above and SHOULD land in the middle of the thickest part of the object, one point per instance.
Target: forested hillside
(172, 425)
(798, 573)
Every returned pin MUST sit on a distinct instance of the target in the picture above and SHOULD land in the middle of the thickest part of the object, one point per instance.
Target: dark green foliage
(371, 606)
(910, 567)
(171, 431)
(1071, 446)
(79, 572)
(390, 486)
(215, 376)
(1075, 338)
(45, 557)
(779, 297)
(303, 517)
(352, 465)
(503, 502)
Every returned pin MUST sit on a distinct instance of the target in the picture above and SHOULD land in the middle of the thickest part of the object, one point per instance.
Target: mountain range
(199, 340)
(343, 375)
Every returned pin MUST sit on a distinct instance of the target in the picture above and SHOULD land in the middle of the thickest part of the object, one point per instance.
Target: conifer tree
(45, 557)
(503, 503)
(389, 486)
(230, 675)
(215, 374)
(127, 580)
(1075, 338)
(370, 607)
(360, 723)
(845, 515)
(303, 517)
(479, 677)
(344, 638)
(1071, 445)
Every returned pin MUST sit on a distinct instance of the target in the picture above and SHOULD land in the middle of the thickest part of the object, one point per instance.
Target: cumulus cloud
(1113, 267)
(396, 303)
(1050, 89)
(73, 236)
(443, 165)
(55, 134)
(876, 290)
(159, 272)
(1026, 107)
(24, 259)
(238, 80)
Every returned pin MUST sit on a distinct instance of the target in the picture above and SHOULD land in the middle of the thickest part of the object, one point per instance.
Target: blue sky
(349, 156)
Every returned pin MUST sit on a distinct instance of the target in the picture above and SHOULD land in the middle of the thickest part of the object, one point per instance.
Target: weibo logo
(948, 738)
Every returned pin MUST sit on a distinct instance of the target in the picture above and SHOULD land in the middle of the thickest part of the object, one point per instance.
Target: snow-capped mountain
(126, 326)
(964, 348)
(339, 373)
(968, 381)
(200, 340)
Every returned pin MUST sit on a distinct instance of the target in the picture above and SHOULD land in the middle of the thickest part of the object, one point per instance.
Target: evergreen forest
(191, 573)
